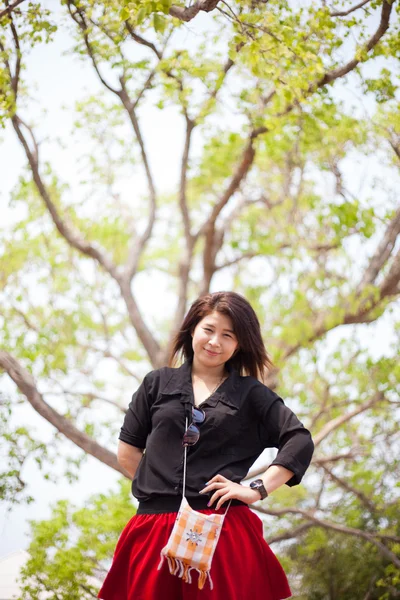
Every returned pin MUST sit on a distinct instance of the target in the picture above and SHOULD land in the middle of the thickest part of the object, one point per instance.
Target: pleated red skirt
(243, 567)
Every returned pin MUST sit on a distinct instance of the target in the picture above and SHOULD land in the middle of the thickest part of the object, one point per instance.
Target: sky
(61, 80)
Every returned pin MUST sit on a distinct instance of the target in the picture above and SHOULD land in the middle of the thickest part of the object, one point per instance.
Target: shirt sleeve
(280, 428)
(137, 422)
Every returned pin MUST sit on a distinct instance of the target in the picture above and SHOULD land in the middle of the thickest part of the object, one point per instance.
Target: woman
(220, 340)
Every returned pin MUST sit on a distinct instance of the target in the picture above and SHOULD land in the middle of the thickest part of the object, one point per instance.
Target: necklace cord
(223, 378)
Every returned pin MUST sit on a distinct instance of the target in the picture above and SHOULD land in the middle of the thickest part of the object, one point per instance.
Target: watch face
(256, 484)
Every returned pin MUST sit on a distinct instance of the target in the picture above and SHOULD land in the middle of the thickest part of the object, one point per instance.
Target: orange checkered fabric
(192, 544)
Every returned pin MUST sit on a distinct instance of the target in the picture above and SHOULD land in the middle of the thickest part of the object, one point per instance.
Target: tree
(263, 198)
(70, 552)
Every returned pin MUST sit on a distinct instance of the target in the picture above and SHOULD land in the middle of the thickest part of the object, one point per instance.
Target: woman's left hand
(227, 490)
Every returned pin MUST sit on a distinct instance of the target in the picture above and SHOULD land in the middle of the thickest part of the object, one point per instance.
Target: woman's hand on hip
(226, 490)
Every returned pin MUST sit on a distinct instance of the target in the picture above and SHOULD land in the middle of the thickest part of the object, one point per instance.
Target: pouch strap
(184, 472)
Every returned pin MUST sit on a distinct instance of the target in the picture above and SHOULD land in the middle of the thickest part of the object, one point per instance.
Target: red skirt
(243, 567)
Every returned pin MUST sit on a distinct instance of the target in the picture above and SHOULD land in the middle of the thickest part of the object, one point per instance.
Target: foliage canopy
(269, 200)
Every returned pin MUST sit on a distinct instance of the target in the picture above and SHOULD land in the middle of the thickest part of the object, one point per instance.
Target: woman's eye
(210, 330)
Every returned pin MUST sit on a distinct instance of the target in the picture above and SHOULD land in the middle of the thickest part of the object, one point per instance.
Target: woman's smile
(211, 353)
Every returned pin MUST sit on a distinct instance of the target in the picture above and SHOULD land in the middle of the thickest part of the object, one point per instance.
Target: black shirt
(243, 417)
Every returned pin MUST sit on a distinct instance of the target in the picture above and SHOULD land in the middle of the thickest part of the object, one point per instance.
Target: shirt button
(176, 487)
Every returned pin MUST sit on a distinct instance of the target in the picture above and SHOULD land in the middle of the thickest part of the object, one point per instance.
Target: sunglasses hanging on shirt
(192, 433)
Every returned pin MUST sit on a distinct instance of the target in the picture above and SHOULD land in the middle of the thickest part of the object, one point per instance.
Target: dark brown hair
(251, 357)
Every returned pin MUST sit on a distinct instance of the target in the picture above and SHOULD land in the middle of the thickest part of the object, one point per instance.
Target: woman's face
(214, 341)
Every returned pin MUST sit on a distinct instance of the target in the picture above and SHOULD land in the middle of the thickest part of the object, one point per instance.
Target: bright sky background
(61, 80)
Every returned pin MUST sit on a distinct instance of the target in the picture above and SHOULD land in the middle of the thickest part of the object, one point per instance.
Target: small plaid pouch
(192, 543)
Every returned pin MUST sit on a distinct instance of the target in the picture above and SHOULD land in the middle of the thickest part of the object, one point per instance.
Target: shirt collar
(180, 382)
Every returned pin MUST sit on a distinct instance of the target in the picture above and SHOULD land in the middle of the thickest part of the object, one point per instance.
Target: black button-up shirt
(243, 417)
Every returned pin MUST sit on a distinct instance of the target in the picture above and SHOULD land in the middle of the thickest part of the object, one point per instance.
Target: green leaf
(124, 14)
(159, 23)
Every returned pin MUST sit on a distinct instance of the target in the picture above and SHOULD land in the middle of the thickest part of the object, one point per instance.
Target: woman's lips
(211, 353)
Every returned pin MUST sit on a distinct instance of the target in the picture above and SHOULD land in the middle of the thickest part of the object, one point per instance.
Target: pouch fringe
(183, 570)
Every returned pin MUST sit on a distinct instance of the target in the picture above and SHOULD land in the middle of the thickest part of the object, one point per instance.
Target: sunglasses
(192, 433)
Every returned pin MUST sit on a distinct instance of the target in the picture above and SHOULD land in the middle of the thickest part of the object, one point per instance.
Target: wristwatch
(258, 485)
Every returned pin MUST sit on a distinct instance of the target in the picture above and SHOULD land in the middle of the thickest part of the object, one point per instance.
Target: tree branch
(318, 461)
(146, 86)
(108, 354)
(149, 342)
(138, 246)
(228, 263)
(14, 77)
(372, 42)
(47, 587)
(289, 535)
(88, 590)
(238, 176)
(208, 229)
(188, 13)
(227, 67)
(323, 460)
(27, 321)
(141, 40)
(90, 395)
(190, 125)
(186, 257)
(83, 26)
(395, 147)
(365, 305)
(338, 421)
(73, 238)
(339, 72)
(346, 486)
(382, 253)
(135, 252)
(344, 13)
(225, 226)
(370, 537)
(315, 461)
(10, 8)
(390, 285)
(26, 385)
